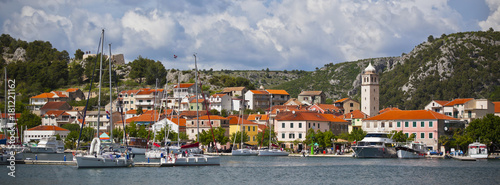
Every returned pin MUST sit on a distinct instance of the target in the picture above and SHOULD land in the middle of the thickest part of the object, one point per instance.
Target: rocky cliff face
(18, 55)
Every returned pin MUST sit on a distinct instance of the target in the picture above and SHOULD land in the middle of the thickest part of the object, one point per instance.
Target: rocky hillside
(453, 66)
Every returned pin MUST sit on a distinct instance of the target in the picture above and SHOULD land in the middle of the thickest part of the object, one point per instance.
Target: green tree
(71, 127)
(357, 135)
(29, 120)
(485, 130)
(139, 111)
(70, 141)
(430, 38)
(76, 73)
(236, 138)
(263, 137)
(79, 54)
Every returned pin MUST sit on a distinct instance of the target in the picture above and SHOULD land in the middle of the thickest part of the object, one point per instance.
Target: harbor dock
(46, 162)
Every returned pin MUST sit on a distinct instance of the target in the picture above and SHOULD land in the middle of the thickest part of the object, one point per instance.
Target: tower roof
(370, 69)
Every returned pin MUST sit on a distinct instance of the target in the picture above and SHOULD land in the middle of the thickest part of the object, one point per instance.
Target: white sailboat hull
(244, 152)
(135, 150)
(402, 154)
(192, 160)
(272, 153)
(99, 161)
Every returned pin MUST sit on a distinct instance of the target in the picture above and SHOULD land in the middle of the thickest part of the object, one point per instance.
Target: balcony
(144, 103)
(38, 103)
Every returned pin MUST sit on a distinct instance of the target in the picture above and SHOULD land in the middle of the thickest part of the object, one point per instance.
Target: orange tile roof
(356, 114)
(458, 102)
(410, 115)
(72, 90)
(259, 92)
(127, 121)
(199, 101)
(6, 115)
(56, 113)
(341, 100)
(334, 118)
(186, 85)
(48, 127)
(218, 95)
(182, 121)
(274, 91)
(261, 127)
(497, 106)
(260, 116)
(148, 91)
(133, 111)
(327, 107)
(54, 105)
(388, 109)
(212, 117)
(60, 94)
(44, 95)
(191, 114)
(235, 120)
(441, 102)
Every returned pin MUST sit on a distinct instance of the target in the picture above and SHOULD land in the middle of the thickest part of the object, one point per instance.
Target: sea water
(268, 170)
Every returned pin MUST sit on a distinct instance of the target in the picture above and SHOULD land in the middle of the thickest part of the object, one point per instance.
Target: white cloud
(238, 34)
(493, 20)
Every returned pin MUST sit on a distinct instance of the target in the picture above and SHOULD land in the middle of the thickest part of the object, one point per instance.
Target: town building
(356, 118)
(235, 91)
(497, 108)
(44, 131)
(427, 125)
(279, 97)
(238, 124)
(468, 109)
(205, 125)
(312, 97)
(347, 105)
(257, 99)
(54, 106)
(127, 99)
(221, 102)
(436, 106)
(326, 109)
(185, 89)
(291, 126)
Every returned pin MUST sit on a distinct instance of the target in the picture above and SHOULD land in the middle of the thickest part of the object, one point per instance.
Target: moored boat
(477, 150)
(412, 150)
(48, 145)
(375, 145)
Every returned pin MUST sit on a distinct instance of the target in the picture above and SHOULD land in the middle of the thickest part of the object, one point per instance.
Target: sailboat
(269, 151)
(242, 151)
(190, 159)
(96, 157)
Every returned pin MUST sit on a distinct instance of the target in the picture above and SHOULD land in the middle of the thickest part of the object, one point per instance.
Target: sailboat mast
(100, 80)
(269, 117)
(196, 91)
(166, 107)
(178, 113)
(241, 129)
(4, 124)
(110, 99)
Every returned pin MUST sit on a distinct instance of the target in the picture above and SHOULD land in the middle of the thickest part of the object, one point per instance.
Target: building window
(414, 124)
(254, 129)
(248, 128)
(282, 125)
(399, 124)
(382, 125)
(368, 125)
(309, 125)
(201, 122)
(430, 135)
(406, 123)
(422, 124)
(283, 135)
(300, 125)
(430, 124)
(131, 102)
(318, 125)
(192, 131)
(291, 125)
(300, 135)
(422, 135)
(390, 124)
(407, 135)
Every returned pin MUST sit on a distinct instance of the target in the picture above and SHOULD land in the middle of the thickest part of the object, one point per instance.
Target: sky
(245, 34)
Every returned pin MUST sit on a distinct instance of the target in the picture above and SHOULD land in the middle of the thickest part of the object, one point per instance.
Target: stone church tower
(370, 91)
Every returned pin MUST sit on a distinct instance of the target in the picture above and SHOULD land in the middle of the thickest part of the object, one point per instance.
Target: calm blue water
(269, 170)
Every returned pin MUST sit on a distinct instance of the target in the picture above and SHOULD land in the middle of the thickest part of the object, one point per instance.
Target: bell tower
(370, 91)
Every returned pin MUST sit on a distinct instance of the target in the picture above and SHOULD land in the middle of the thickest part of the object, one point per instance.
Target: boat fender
(196, 160)
(206, 160)
(73, 153)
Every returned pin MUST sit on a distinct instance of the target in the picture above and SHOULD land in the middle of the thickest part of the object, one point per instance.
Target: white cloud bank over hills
(250, 34)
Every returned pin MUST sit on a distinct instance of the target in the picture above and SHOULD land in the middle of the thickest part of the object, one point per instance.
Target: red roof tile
(48, 127)
(234, 120)
(388, 109)
(56, 113)
(212, 117)
(44, 95)
(497, 106)
(458, 102)
(341, 100)
(54, 105)
(310, 116)
(281, 92)
(186, 85)
(259, 92)
(182, 121)
(410, 115)
(356, 114)
(72, 90)
(60, 94)
(441, 102)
